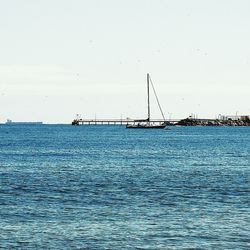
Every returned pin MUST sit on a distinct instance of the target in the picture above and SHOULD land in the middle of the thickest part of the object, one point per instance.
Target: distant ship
(146, 123)
(10, 122)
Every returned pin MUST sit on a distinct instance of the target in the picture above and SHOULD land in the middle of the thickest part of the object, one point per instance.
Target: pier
(117, 121)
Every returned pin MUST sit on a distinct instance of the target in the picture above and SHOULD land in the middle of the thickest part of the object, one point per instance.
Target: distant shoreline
(182, 122)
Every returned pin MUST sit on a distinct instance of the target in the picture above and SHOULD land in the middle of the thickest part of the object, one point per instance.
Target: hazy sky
(62, 57)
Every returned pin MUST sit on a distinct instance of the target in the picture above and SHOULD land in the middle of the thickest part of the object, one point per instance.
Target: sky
(59, 58)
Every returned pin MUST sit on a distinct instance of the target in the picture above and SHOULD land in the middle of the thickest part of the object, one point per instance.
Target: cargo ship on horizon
(10, 122)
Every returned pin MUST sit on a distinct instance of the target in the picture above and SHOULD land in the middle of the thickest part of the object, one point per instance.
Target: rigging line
(157, 98)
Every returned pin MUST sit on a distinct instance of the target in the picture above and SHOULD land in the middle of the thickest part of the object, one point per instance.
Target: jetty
(126, 121)
(190, 121)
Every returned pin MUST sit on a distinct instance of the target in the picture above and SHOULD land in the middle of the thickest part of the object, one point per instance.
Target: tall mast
(157, 98)
(148, 97)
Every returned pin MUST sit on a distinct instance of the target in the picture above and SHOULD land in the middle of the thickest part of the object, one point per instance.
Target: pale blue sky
(62, 57)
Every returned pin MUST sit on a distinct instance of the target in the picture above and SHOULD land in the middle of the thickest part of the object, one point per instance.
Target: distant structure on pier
(234, 117)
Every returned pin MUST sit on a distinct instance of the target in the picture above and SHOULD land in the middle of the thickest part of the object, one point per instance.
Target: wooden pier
(117, 121)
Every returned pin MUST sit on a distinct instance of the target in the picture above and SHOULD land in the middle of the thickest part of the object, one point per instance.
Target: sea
(108, 187)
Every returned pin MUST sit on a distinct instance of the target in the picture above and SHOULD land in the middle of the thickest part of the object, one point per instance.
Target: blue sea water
(107, 187)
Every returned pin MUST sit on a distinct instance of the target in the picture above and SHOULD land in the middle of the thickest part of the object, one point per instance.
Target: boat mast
(148, 98)
(157, 98)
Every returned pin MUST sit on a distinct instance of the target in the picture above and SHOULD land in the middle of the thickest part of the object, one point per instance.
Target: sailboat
(147, 123)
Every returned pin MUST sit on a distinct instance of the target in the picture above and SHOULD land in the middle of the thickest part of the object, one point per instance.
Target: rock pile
(202, 122)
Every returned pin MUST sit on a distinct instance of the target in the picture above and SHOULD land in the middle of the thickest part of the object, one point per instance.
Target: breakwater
(216, 122)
